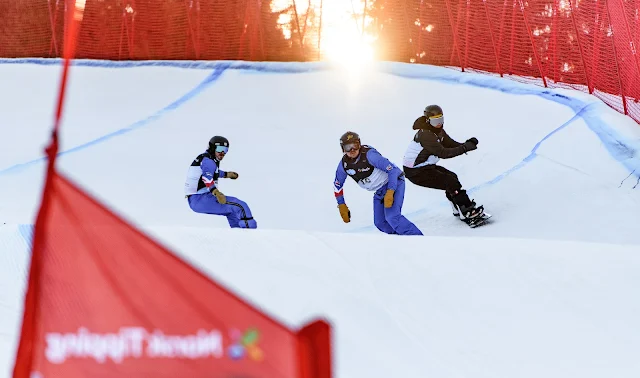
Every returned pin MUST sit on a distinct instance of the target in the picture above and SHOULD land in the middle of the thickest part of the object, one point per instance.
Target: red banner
(104, 301)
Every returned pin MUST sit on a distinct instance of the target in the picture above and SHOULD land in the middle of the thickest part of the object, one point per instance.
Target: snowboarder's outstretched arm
(449, 142)
(431, 144)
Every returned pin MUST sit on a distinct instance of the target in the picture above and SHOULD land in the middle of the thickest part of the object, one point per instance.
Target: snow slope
(548, 289)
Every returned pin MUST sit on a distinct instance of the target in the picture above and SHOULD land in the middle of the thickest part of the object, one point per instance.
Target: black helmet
(434, 114)
(349, 137)
(217, 141)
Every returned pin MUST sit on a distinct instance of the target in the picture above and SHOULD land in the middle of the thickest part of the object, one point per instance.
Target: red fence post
(420, 30)
(121, 34)
(132, 36)
(454, 30)
(407, 21)
(502, 17)
(584, 64)
(195, 34)
(533, 45)
(243, 36)
(304, 27)
(513, 37)
(260, 30)
(632, 45)
(596, 43)
(615, 55)
(466, 33)
(493, 43)
(53, 17)
(295, 11)
(124, 28)
(554, 30)
(198, 29)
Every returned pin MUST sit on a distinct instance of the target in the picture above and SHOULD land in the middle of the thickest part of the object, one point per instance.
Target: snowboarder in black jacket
(430, 144)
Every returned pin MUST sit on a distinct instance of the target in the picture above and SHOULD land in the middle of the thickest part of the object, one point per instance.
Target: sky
(546, 289)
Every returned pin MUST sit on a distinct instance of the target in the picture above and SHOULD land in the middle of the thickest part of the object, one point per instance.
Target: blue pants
(237, 212)
(390, 220)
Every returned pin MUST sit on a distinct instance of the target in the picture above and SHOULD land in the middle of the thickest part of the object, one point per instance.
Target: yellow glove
(344, 212)
(231, 175)
(388, 198)
(221, 197)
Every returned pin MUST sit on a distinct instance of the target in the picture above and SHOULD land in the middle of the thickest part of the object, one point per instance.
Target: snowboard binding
(479, 218)
(473, 216)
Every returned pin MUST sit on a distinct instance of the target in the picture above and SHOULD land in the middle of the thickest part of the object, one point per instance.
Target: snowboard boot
(467, 208)
(454, 208)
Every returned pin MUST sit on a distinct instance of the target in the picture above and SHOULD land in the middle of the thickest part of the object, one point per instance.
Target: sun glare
(352, 55)
(342, 39)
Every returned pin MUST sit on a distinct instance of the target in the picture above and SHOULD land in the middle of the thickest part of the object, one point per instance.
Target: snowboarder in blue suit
(201, 187)
(373, 172)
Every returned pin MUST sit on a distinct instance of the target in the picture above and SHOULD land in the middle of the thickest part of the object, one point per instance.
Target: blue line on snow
(266, 67)
(621, 149)
(532, 155)
(215, 75)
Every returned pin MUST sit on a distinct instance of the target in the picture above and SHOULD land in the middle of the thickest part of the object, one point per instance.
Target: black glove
(473, 140)
(469, 146)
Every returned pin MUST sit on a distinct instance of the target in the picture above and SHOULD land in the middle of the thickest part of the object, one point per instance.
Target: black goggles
(350, 147)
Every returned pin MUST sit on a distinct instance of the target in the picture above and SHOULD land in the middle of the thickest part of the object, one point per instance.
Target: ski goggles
(222, 149)
(350, 147)
(436, 120)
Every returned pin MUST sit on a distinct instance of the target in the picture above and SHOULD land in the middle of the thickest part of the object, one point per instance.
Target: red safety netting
(588, 45)
(581, 44)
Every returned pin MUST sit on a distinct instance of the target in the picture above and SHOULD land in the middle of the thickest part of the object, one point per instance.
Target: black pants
(437, 177)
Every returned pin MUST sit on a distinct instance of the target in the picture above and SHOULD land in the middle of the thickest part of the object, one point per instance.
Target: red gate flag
(106, 301)
(103, 300)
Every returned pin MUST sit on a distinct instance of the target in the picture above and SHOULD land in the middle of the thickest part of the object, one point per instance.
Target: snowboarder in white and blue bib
(375, 173)
(201, 187)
